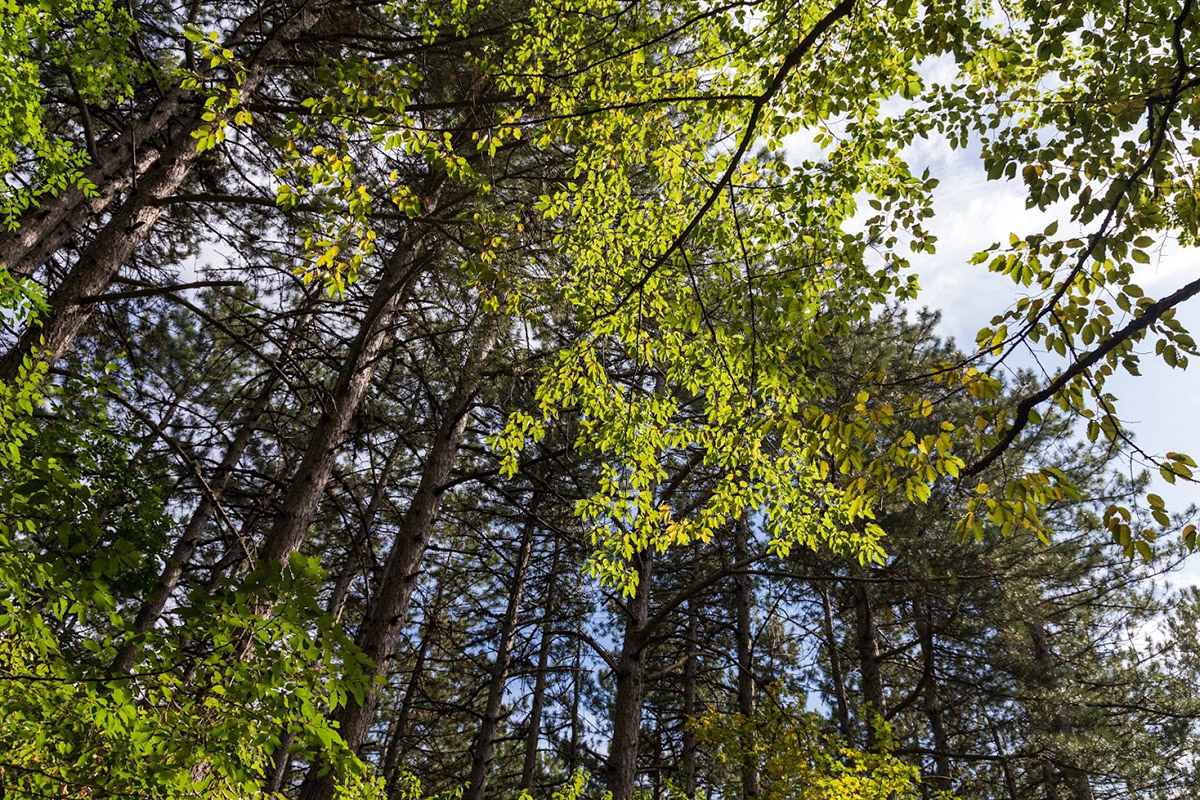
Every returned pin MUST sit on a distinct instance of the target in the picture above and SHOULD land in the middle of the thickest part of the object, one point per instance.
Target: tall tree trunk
(125, 158)
(1078, 782)
(385, 618)
(210, 500)
(300, 501)
(630, 686)
(70, 305)
(537, 705)
(746, 689)
(870, 668)
(836, 674)
(481, 752)
(400, 728)
(576, 701)
(942, 778)
(691, 674)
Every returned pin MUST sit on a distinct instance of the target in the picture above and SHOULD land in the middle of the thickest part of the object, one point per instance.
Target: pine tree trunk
(630, 687)
(300, 501)
(400, 729)
(746, 689)
(691, 674)
(870, 668)
(71, 303)
(210, 500)
(836, 674)
(385, 618)
(537, 705)
(481, 752)
(942, 778)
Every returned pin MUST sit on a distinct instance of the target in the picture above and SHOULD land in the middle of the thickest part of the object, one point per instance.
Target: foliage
(86, 41)
(799, 759)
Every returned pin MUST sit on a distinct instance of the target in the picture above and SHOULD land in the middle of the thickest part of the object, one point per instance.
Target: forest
(531, 399)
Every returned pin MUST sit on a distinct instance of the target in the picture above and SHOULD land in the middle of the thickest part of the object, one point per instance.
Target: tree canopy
(405, 398)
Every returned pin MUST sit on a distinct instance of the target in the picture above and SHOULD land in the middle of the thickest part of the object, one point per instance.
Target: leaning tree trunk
(303, 495)
(124, 159)
(210, 501)
(71, 303)
(837, 675)
(385, 618)
(398, 735)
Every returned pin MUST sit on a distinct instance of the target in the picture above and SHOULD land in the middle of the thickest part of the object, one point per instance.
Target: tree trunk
(691, 674)
(129, 155)
(399, 732)
(630, 687)
(836, 675)
(746, 688)
(385, 619)
(300, 501)
(871, 671)
(941, 779)
(533, 738)
(210, 500)
(70, 305)
(481, 753)
(1078, 782)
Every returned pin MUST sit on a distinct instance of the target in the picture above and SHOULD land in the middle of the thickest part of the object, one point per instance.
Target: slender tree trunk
(385, 619)
(1078, 782)
(132, 222)
(537, 705)
(400, 729)
(836, 675)
(691, 674)
(576, 700)
(746, 688)
(870, 668)
(630, 687)
(942, 777)
(481, 753)
(210, 500)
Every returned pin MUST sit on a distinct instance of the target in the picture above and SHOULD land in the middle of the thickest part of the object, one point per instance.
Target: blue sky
(1162, 407)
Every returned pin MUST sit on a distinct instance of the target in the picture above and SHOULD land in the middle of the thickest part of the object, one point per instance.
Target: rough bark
(132, 221)
(870, 667)
(299, 503)
(124, 159)
(385, 618)
(630, 687)
(941, 778)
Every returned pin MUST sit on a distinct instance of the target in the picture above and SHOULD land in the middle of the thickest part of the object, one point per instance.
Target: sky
(1162, 407)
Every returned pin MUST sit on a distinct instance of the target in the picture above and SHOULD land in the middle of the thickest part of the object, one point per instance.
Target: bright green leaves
(87, 39)
(219, 83)
(798, 759)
